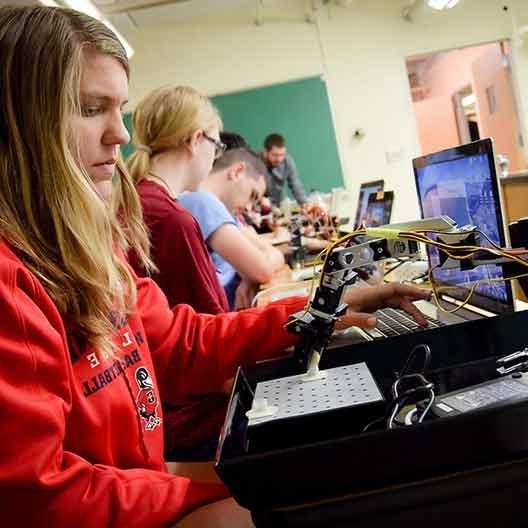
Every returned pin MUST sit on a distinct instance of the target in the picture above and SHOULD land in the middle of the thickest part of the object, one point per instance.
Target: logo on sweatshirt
(146, 400)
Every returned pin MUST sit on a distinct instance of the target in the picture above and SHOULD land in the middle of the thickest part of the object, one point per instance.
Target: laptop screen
(366, 189)
(379, 209)
(462, 183)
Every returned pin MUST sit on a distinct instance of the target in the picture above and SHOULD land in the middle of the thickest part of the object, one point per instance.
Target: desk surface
(282, 276)
(347, 228)
(282, 285)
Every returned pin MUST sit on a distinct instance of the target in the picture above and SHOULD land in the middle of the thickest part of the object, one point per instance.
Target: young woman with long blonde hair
(86, 347)
(176, 133)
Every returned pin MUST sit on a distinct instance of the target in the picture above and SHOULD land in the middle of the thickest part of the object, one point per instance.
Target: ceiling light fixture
(442, 4)
(85, 6)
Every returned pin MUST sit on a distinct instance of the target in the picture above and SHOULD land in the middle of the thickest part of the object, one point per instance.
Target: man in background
(280, 169)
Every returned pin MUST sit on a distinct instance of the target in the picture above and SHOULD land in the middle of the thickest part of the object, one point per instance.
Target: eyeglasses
(255, 196)
(220, 147)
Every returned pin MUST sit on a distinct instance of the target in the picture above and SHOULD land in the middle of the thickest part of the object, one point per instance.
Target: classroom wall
(223, 57)
(361, 51)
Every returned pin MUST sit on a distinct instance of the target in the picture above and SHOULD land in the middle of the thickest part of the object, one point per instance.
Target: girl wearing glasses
(176, 133)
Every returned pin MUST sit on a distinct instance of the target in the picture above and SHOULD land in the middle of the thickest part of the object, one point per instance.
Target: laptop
(379, 209)
(365, 191)
(461, 183)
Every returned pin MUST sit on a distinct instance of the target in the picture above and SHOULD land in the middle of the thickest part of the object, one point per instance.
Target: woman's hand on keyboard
(364, 301)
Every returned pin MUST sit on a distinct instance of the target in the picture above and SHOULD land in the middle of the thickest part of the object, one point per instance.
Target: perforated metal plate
(342, 387)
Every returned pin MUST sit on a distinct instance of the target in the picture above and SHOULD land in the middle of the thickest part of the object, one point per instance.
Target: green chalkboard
(298, 110)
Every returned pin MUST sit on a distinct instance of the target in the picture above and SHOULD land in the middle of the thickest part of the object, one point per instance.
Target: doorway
(465, 106)
(466, 94)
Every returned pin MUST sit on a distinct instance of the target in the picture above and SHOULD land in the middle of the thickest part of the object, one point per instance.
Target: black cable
(414, 393)
(419, 389)
(420, 277)
(396, 266)
(411, 357)
(370, 424)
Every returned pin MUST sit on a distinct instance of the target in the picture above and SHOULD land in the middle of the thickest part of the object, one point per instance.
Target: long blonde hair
(50, 211)
(166, 119)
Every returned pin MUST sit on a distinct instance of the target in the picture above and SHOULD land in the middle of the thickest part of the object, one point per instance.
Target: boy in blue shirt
(236, 179)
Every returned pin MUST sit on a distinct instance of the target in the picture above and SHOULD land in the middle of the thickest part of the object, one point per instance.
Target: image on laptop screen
(366, 189)
(379, 209)
(462, 184)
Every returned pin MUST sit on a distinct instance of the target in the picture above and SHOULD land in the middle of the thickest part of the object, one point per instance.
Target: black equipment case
(322, 470)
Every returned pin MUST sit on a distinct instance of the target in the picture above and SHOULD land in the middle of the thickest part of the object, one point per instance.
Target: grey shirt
(285, 172)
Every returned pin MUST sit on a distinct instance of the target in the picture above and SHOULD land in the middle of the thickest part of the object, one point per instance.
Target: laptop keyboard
(393, 322)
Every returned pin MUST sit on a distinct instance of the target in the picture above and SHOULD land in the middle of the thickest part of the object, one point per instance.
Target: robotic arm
(459, 247)
(316, 324)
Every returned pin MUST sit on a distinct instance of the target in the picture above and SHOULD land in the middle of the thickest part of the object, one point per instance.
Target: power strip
(489, 394)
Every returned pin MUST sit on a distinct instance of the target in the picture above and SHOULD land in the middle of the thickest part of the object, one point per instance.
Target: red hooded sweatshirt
(82, 440)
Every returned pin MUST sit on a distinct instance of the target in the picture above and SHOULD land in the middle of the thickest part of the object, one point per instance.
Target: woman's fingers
(362, 320)
(413, 311)
(411, 292)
